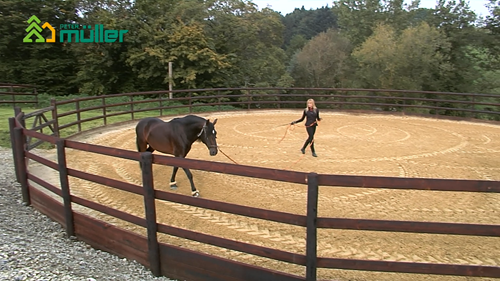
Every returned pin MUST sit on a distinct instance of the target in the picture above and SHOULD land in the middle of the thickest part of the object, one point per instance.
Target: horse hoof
(196, 193)
(173, 187)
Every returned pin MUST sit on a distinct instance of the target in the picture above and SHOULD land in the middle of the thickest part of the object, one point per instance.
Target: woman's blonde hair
(314, 104)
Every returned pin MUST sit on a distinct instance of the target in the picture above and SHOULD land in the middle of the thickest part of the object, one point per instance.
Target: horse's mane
(189, 119)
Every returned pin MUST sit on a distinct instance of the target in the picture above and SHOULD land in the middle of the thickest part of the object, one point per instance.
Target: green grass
(8, 111)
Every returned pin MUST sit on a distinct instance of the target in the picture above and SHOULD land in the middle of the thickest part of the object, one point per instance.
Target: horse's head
(208, 136)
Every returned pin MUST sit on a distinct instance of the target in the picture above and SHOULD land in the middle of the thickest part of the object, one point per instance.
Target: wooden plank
(45, 184)
(109, 238)
(41, 160)
(409, 267)
(46, 124)
(233, 245)
(312, 231)
(63, 177)
(12, 125)
(246, 211)
(232, 169)
(183, 264)
(125, 186)
(109, 211)
(410, 183)
(40, 136)
(115, 152)
(38, 112)
(150, 209)
(61, 127)
(47, 205)
(19, 146)
(411, 226)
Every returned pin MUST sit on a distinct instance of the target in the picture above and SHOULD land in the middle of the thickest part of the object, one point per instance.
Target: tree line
(384, 44)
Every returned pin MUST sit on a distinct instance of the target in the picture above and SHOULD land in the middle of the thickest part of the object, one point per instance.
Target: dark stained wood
(44, 125)
(109, 238)
(62, 127)
(44, 184)
(233, 245)
(183, 264)
(54, 117)
(38, 112)
(37, 135)
(115, 152)
(150, 209)
(63, 177)
(312, 231)
(47, 205)
(19, 143)
(41, 160)
(125, 186)
(232, 169)
(12, 125)
(109, 211)
(411, 226)
(409, 267)
(246, 211)
(410, 183)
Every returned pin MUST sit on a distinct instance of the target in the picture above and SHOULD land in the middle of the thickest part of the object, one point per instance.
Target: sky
(287, 6)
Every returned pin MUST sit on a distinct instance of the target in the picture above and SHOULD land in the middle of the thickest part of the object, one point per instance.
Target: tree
(48, 65)
(414, 60)
(323, 61)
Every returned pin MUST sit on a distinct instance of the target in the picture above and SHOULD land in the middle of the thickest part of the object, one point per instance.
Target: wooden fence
(19, 94)
(435, 104)
(180, 263)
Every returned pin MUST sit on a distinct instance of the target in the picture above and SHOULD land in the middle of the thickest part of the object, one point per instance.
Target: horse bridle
(204, 131)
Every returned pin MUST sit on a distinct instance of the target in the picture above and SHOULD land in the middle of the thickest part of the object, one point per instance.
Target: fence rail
(175, 262)
(28, 94)
(394, 101)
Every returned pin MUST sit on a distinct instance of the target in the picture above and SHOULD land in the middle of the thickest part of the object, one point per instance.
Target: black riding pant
(310, 132)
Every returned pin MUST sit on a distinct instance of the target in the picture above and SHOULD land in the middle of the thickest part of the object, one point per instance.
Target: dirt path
(346, 144)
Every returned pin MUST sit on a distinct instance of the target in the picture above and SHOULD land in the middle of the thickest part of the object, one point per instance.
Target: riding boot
(303, 149)
(313, 151)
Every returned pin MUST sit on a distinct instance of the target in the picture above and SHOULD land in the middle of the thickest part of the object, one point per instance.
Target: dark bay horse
(176, 137)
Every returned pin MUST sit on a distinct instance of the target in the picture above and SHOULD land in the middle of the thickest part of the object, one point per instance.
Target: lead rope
(308, 147)
(227, 156)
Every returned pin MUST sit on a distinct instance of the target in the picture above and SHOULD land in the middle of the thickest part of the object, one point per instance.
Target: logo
(34, 30)
(74, 33)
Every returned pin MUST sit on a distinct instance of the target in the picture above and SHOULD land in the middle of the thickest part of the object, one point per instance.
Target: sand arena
(347, 144)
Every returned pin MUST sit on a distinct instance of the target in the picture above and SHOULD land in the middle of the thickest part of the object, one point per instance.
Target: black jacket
(311, 115)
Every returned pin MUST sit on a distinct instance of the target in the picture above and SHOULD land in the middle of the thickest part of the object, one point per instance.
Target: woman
(312, 114)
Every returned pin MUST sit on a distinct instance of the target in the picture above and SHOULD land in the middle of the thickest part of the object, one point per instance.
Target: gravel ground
(33, 247)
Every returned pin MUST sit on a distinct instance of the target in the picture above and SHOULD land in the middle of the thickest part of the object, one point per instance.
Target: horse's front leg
(173, 183)
(194, 191)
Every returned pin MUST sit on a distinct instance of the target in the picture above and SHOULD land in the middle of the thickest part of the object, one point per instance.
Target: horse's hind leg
(173, 183)
(194, 191)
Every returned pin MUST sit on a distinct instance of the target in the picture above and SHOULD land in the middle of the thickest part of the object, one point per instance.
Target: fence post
(13, 96)
(312, 232)
(21, 164)
(63, 177)
(54, 117)
(104, 111)
(12, 126)
(190, 103)
(474, 106)
(161, 104)
(78, 115)
(278, 92)
(132, 106)
(149, 205)
(218, 99)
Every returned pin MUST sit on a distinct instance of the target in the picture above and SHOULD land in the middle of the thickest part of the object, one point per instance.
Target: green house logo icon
(34, 29)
